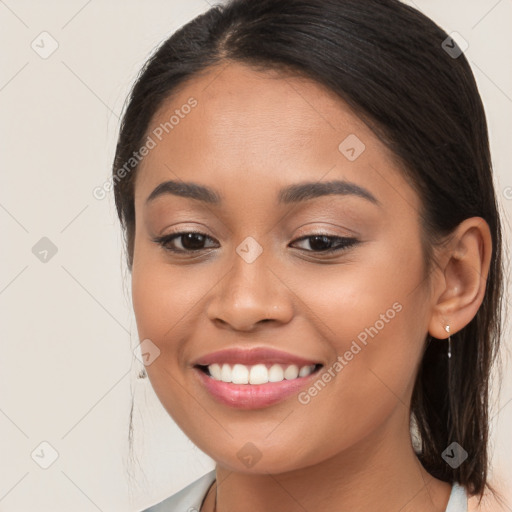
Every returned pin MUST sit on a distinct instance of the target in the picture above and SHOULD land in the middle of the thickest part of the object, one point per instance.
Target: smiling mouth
(257, 374)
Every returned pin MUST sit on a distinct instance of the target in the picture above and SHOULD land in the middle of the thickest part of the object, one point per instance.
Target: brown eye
(326, 243)
(194, 241)
(187, 241)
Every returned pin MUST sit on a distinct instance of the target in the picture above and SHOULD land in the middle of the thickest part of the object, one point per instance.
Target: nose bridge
(250, 292)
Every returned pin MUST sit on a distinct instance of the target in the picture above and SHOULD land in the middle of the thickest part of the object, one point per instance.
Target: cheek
(163, 305)
(164, 296)
(372, 318)
(169, 310)
(370, 297)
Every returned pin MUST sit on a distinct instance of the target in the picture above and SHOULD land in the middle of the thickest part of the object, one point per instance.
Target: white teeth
(225, 374)
(305, 371)
(240, 374)
(276, 373)
(215, 371)
(292, 372)
(257, 374)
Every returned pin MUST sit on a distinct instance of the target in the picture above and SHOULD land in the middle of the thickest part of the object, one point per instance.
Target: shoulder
(188, 499)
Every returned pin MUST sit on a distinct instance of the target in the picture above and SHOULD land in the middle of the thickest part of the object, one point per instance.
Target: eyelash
(344, 242)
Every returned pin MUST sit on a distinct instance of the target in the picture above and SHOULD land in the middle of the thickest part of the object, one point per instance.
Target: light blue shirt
(190, 498)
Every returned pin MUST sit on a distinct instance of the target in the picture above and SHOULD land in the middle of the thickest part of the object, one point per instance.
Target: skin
(251, 133)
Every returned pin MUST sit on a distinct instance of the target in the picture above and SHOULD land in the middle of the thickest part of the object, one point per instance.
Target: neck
(380, 471)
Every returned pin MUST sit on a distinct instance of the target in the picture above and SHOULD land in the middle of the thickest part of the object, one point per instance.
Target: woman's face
(257, 277)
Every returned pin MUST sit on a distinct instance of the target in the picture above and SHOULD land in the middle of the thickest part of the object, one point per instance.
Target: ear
(463, 277)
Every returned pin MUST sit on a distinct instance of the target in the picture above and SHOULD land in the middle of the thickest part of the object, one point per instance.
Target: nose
(250, 294)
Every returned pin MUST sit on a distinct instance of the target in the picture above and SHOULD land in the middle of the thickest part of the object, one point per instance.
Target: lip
(253, 396)
(253, 356)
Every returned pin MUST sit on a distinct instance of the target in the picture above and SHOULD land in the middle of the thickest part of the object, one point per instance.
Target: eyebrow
(290, 194)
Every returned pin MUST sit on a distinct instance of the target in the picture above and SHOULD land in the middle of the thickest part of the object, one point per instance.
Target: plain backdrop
(67, 370)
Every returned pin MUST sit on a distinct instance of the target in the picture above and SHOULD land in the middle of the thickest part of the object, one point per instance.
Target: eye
(324, 243)
(194, 241)
(190, 241)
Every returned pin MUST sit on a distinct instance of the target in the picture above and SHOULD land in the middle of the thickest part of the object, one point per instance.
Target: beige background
(66, 368)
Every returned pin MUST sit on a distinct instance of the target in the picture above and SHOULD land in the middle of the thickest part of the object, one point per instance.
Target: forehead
(239, 108)
(261, 127)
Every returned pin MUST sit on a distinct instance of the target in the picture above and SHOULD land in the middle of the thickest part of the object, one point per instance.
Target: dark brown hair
(391, 64)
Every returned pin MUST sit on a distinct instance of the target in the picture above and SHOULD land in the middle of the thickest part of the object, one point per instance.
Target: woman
(315, 249)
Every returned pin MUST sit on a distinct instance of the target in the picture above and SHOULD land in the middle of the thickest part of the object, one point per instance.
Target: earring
(447, 329)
